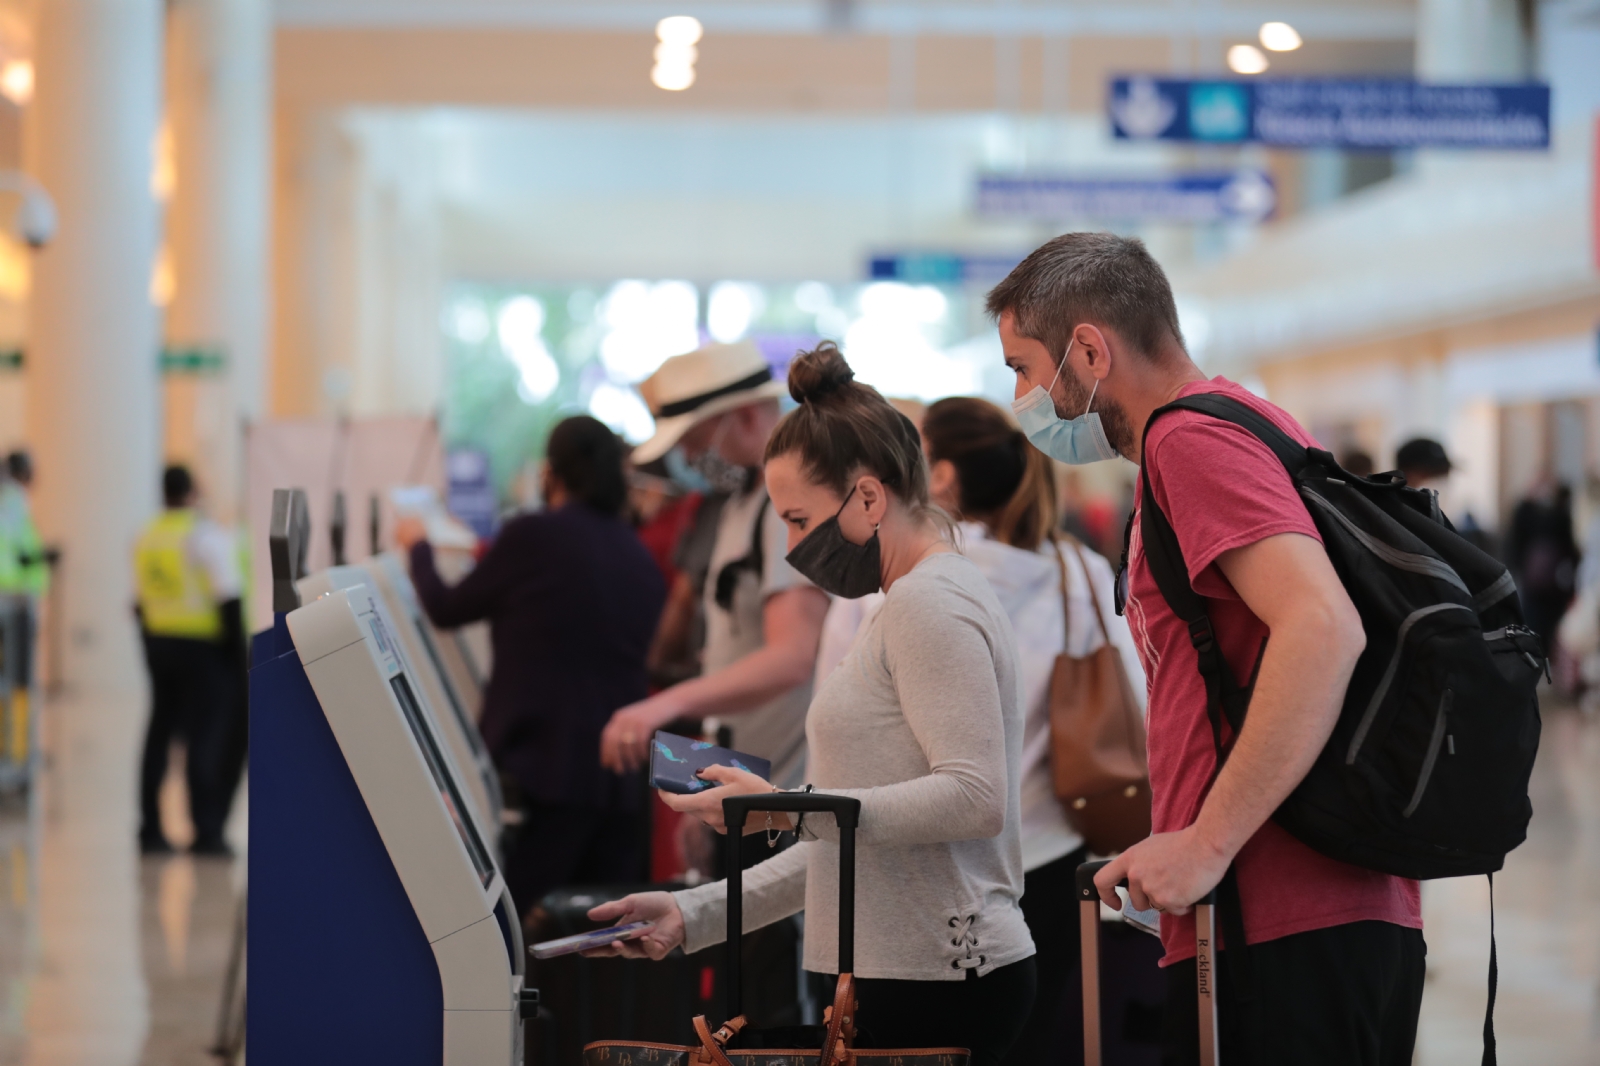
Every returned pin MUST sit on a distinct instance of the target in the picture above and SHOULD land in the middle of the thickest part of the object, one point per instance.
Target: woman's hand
(408, 531)
(625, 741)
(731, 781)
(657, 907)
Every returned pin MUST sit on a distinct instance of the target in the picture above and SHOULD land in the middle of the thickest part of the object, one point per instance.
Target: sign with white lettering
(1241, 196)
(1351, 113)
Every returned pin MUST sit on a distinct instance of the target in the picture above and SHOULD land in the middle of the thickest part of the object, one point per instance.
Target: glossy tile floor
(107, 959)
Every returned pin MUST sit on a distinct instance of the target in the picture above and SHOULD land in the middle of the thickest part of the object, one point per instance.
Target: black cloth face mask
(835, 565)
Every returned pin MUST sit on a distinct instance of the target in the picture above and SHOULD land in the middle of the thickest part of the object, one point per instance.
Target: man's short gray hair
(1099, 278)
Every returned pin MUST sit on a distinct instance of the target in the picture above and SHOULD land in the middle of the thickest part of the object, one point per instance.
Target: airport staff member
(190, 615)
(1336, 955)
(23, 563)
(763, 620)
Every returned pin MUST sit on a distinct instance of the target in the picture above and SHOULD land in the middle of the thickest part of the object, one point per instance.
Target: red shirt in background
(662, 533)
(1222, 488)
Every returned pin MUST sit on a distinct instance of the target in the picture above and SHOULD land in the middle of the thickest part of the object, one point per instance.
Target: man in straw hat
(718, 405)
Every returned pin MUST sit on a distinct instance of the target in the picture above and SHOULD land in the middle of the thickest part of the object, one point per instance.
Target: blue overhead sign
(1355, 113)
(1241, 196)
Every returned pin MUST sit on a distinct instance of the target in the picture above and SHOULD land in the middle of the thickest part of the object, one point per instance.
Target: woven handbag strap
(1066, 602)
(1094, 597)
(1088, 579)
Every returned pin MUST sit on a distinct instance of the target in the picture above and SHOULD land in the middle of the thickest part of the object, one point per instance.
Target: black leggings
(1049, 906)
(983, 1014)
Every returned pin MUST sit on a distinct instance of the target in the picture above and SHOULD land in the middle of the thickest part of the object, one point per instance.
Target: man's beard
(1113, 419)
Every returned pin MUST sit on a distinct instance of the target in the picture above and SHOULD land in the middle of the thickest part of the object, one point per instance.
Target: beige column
(92, 332)
(219, 110)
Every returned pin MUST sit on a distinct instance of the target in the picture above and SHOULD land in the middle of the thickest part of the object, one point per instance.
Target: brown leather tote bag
(735, 1043)
(1097, 738)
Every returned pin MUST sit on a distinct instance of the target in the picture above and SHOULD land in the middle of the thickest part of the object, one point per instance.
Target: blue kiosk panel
(338, 968)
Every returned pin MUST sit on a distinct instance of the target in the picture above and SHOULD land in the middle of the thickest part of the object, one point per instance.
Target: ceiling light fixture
(676, 54)
(1246, 59)
(16, 81)
(1279, 37)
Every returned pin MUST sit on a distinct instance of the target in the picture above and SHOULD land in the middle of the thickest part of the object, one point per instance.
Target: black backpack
(1426, 774)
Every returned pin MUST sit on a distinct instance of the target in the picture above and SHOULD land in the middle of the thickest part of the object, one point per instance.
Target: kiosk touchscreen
(448, 650)
(435, 690)
(380, 928)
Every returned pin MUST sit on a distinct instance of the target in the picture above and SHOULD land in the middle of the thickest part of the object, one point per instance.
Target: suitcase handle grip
(1086, 872)
(736, 810)
(845, 810)
(1088, 893)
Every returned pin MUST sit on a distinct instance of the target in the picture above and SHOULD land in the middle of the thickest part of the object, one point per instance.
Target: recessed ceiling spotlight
(16, 81)
(676, 54)
(1279, 37)
(672, 79)
(680, 30)
(1246, 59)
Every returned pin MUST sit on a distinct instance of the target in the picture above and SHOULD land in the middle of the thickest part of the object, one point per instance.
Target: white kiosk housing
(412, 788)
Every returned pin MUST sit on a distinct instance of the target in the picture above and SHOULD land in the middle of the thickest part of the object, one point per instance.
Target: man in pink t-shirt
(1334, 967)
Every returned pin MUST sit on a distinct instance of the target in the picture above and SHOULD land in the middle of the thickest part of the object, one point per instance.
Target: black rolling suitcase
(1205, 960)
(837, 1042)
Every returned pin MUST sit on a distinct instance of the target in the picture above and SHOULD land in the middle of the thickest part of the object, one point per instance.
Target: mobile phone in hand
(675, 763)
(1147, 921)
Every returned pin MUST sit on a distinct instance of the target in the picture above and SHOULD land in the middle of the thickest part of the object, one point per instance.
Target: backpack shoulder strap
(1290, 452)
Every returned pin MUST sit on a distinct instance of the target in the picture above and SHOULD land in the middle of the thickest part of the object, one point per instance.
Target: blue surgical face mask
(1072, 440)
(683, 472)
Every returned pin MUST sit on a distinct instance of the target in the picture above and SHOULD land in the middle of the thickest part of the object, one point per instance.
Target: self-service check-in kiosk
(420, 649)
(380, 929)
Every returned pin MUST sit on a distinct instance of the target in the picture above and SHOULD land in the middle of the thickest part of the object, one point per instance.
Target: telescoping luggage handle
(735, 810)
(1205, 965)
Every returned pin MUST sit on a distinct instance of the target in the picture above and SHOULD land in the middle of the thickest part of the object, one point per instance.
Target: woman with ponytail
(920, 722)
(1002, 489)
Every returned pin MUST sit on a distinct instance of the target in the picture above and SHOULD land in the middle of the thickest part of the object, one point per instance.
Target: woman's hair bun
(817, 373)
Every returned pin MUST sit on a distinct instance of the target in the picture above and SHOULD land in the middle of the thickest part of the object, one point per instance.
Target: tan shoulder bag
(1097, 738)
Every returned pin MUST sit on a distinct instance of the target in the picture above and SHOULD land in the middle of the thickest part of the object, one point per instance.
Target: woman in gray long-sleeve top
(921, 721)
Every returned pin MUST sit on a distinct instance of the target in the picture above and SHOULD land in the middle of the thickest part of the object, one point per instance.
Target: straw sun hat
(688, 389)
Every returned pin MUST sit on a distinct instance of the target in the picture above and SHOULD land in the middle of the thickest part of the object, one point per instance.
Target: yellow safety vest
(174, 594)
(22, 565)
